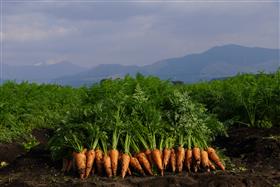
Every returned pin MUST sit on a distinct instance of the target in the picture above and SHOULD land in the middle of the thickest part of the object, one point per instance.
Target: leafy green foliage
(25, 106)
(138, 113)
(252, 100)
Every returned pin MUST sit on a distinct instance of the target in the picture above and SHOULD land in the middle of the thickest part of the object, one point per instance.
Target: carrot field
(139, 126)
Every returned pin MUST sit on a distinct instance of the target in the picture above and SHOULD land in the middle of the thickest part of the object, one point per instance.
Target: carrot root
(188, 159)
(136, 165)
(205, 160)
(148, 154)
(125, 164)
(180, 158)
(197, 158)
(166, 157)
(90, 155)
(80, 159)
(99, 161)
(145, 163)
(156, 155)
(107, 165)
(173, 160)
(215, 158)
(114, 154)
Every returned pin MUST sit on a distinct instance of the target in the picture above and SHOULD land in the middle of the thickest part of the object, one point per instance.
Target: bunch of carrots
(88, 162)
(141, 126)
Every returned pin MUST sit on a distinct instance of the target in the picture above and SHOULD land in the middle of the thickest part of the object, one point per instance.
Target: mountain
(40, 72)
(220, 61)
(217, 62)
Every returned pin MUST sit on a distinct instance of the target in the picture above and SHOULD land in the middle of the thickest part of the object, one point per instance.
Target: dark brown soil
(255, 148)
(10, 151)
(254, 155)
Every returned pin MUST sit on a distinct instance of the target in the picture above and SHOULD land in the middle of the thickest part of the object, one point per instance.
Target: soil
(254, 156)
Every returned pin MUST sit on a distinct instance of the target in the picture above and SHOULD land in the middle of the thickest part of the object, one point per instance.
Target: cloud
(131, 33)
(31, 27)
(25, 34)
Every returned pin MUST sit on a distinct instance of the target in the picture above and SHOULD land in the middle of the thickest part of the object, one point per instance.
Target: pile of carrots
(90, 162)
(141, 126)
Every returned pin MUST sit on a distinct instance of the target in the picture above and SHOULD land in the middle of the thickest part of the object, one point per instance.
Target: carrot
(214, 157)
(145, 162)
(180, 158)
(142, 158)
(173, 160)
(211, 165)
(114, 154)
(128, 171)
(107, 165)
(90, 160)
(81, 162)
(99, 161)
(205, 160)
(148, 153)
(188, 159)
(136, 165)
(196, 156)
(156, 155)
(166, 157)
(125, 164)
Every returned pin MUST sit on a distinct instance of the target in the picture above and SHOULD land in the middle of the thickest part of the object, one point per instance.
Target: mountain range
(217, 62)
(40, 72)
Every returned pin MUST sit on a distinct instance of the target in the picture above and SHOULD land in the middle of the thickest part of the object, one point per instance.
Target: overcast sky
(89, 32)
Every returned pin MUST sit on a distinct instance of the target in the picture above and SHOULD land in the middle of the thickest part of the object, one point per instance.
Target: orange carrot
(145, 163)
(156, 155)
(188, 159)
(128, 171)
(180, 158)
(211, 165)
(114, 159)
(166, 157)
(90, 160)
(107, 165)
(214, 157)
(125, 164)
(81, 162)
(99, 161)
(136, 165)
(148, 154)
(196, 156)
(173, 160)
(205, 160)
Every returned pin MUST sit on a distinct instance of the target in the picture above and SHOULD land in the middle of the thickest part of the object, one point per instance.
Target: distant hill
(40, 72)
(220, 61)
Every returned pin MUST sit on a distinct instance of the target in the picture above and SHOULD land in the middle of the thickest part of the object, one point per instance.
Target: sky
(88, 33)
